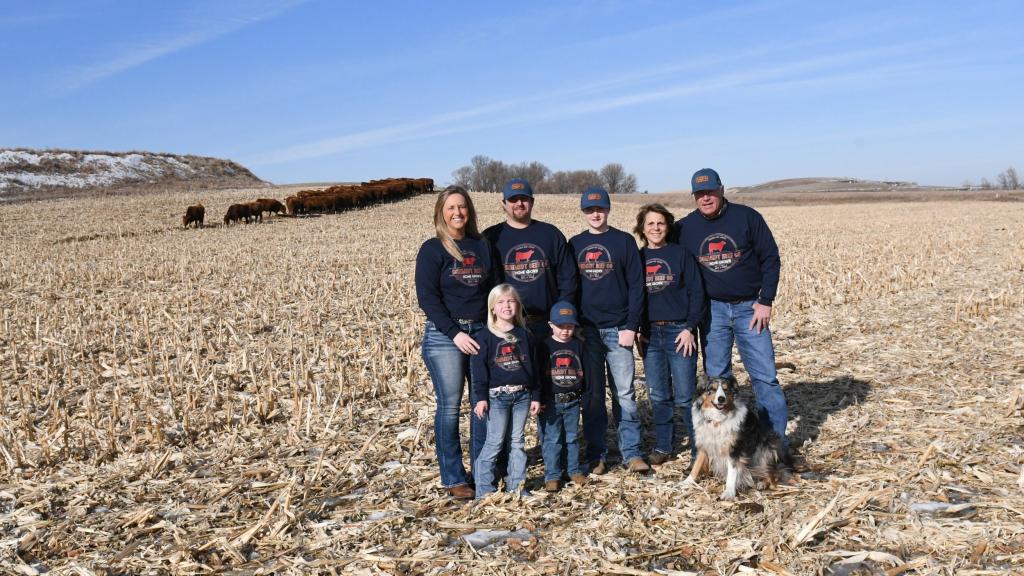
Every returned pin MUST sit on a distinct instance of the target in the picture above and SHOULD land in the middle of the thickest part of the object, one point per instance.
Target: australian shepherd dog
(731, 440)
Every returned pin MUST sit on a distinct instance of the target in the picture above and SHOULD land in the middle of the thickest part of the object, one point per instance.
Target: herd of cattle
(333, 199)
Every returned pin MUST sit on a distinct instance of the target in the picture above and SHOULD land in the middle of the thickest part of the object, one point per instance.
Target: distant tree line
(488, 175)
(1006, 180)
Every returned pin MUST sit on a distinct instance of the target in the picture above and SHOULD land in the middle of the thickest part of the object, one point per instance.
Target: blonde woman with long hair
(453, 276)
(505, 388)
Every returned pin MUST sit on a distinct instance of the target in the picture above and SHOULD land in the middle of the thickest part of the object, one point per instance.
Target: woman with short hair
(675, 305)
(453, 276)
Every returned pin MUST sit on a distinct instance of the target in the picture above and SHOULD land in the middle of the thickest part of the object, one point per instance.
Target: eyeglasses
(518, 199)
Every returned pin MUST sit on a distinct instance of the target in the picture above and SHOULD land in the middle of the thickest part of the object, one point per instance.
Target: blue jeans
(561, 425)
(729, 322)
(449, 370)
(670, 377)
(505, 411)
(601, 349)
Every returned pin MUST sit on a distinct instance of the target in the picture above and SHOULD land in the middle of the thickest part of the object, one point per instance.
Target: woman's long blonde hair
(492, 320)
(442, 229)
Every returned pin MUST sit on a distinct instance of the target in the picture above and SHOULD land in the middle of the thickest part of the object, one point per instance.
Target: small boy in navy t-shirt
(561, 363)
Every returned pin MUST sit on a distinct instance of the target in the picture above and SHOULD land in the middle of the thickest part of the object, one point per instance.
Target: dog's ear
(702, 383)
(731, 384)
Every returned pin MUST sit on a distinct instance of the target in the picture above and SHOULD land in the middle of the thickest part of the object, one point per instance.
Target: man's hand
(685, 343)
(762, 315)
(481, 409)
(465, 343)
(626, 338)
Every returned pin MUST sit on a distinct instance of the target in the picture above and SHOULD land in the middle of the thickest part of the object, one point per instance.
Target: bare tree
(985, 184)
(583, 179)
(463, 177)
(629, 185)
(533, 172)
(1008, 179)
(613, 175)
(558, 183)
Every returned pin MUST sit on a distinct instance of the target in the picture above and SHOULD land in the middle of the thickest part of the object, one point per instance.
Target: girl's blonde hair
(442, 229)
(492, 320)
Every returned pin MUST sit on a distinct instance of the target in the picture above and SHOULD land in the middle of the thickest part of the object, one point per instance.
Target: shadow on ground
(814, 400)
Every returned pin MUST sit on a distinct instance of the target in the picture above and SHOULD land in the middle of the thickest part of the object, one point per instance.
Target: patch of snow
(14, 157)
(92, 169)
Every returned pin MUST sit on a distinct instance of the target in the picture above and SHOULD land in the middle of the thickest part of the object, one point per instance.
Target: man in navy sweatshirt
(611, 301)
(532, 256)
(739, 262)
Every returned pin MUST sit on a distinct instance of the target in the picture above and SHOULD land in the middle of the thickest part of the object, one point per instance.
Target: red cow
(653, 268)
(468, 260)
(524, 256)
(194, 215)
(716, 246)
(563, 362)
(594, 256)
(506, 350)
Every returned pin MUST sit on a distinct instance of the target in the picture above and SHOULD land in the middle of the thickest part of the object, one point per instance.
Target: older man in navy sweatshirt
(611, 300)
(739, 262)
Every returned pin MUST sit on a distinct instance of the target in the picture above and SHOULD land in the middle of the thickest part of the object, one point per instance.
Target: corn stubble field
(251, 400)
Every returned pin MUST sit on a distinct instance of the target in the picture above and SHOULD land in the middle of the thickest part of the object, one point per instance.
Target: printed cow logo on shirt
(718, 253)
(508, 357)
(469, 271)
(566, 370)
(595, 262)
(658, 275)
(525, 262)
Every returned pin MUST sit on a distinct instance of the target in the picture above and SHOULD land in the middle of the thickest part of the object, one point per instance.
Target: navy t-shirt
(536, 261)
(504, 362)
(611, 279)
(674, 289)
(448, 289)
(736, 251)
(562, 367)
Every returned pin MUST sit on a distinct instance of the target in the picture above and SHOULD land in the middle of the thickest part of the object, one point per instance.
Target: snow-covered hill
(23, 170)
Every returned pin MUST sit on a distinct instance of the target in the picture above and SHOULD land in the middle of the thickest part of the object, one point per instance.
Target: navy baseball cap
(516, 187)
(595, 197)
(705, 179)
(563, 313)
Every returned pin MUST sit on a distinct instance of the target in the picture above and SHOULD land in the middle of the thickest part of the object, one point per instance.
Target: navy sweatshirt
(674, 288)
(736, 251)
(449, 289)
(611, 279)
(537, 262)
(503, 362)
(563, 367)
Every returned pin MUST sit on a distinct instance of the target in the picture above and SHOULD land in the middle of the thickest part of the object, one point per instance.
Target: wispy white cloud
(200, 29)
(599, 96)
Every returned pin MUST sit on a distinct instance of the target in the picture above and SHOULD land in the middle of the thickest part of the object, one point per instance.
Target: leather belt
(665, 322)
(737, 301)
(507, 389)
(567, 397)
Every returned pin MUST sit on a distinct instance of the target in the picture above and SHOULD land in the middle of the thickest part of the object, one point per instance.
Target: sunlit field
(251, 400)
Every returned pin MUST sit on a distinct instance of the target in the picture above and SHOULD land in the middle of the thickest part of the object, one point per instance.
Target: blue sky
(319, 90)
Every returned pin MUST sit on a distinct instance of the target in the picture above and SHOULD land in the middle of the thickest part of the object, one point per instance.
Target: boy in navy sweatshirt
(611, 298)
(561, 358)
(739, 262)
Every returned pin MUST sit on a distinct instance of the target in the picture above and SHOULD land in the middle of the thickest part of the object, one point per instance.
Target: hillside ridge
(27, 170)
